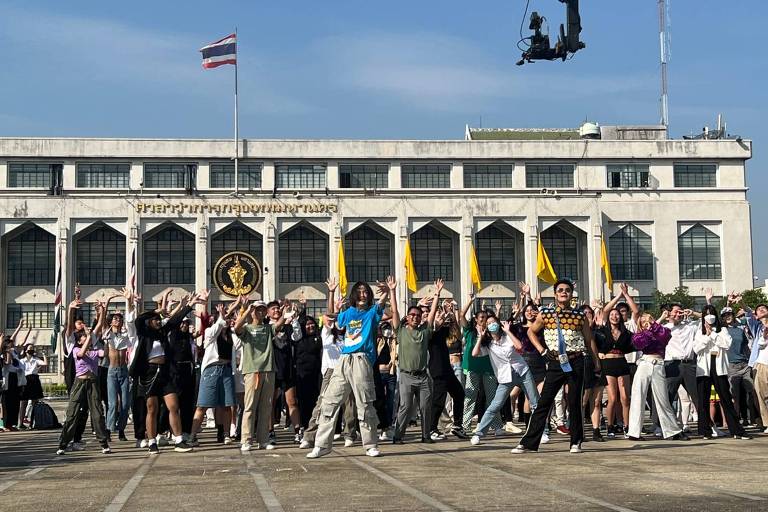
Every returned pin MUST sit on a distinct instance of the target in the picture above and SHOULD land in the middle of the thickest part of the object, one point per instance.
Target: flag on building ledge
(474, 268)
(544, 269)
(223, 51)
(410, 269)
(342, 269)
(606, 264)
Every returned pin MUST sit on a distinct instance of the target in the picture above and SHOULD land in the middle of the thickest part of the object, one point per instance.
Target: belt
(574, 355)
(652, 360)
(417, 373)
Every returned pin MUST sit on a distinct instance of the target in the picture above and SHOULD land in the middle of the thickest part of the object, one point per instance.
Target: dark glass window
(100, 258)
(236, 237)
(223, 175)
(699, 254)
(371, 176)
(562, 251)
(495, 254)
(628, 176)
(106, 176)
(426, 175)
(630, 254)
(169, 257)
(488, 176)
(36, 316)
(300, 176)
(695, 175)
(367, 254)
(549, 175)
(31, 258)
(36, 175)
(303, 256)
(432, 254)
(170, 176)
(88, 311)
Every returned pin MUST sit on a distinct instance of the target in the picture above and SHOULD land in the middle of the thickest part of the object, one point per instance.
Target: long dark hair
(523, 320)
(709, 309)
(354, 296)
(487, 337)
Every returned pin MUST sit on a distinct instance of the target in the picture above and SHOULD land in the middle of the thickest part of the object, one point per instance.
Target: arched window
(631, 255)
(562, 250)
(367, 254)
(495, 254)
(699, 254)
(303, 256)
(31, 258)
(236, 237)
(169, 257)
(100, 257)
(432, 254)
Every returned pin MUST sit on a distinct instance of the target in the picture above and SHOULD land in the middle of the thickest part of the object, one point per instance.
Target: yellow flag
(410, 270)
(605, 264)
(474, 268)
(544, 269)
(342, 270)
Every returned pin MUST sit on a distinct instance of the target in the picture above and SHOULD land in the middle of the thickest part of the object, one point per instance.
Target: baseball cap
(259, 304)
(726, 310)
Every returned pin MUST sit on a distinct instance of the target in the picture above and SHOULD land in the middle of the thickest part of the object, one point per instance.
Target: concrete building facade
(672, 212)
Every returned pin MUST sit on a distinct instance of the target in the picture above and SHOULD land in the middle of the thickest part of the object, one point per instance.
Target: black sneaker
(459, 432)
(121, 436)
(397, 441)
(182, 447)
(427, 440)
(272, 437)
(681, 436)
(597, 436)
(153, 449)
(219, 434)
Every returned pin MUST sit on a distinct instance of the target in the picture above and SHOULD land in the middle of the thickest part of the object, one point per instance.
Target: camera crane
(567, 42)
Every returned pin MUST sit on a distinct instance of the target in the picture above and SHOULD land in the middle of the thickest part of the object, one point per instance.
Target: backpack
(43, 417)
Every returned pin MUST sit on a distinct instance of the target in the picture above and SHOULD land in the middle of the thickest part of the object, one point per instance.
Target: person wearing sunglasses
(566, 338)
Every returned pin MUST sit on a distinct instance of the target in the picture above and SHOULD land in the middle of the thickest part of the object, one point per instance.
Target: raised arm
(465, 309)
(630, 302)
(244, 314)
(533, 334)
(18, 329)
(332, 284)
(507, 328)
(392, 285)
(433, 308)
(71, 314)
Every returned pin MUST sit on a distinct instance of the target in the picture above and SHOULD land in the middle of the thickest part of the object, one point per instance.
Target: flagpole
(237, 126)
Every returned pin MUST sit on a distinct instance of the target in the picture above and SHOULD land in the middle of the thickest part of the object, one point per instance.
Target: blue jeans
(502, 393)
(117, 382)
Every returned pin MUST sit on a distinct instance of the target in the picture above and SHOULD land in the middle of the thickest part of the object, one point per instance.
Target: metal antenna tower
(664, 40)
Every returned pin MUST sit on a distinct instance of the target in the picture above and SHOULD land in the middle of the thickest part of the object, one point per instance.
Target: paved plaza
(449, 475)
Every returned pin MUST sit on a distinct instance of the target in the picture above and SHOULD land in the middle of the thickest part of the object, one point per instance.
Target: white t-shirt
(631, 326)
(504, 359)
(331, 349)
(680, 345)
(31, 366)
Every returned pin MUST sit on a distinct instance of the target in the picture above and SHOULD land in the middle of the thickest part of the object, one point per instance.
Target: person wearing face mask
(33, 390)
(501, 345)
(711, 346)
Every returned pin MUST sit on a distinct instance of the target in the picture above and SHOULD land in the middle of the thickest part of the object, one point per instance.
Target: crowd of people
(367, 370)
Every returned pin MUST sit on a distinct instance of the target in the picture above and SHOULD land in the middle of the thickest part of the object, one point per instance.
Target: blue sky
(402, 69)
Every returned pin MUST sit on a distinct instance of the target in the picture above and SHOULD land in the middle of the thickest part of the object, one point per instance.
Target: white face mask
(710, 319)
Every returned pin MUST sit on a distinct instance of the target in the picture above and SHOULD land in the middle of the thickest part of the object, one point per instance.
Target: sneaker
(765, 431)
(436, 435)
(144, 443)
(384, 436)
(681, 436)
(77, 447)
(245, 447)
(105, 450)
(500, 432)
(562, 429)
(372, 452)
(459, 432)
(121, 436)
(336, 437)
(60, 451)
(193, 442)
(475, 440)
(657, 432)
(716, 432)
(305, 444)
(631, 438)
(611, 432)
(271, 446)
(182, 447)
(272, 438)
(297, 438)
(348, 442)
(227, 440)
(597, 436)
(743, 436)
(576, 448)
(162, 440)
(427, 440)
(153, 449)
(512, 428)
(544, 438)
(520, 449)
(318, 452)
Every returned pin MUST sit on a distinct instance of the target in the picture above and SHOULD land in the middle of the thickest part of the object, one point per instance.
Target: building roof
(521, 133)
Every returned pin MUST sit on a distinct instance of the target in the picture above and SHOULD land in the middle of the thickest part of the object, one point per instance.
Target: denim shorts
(217, 386)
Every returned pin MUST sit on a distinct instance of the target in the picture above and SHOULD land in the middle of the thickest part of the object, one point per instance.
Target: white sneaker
(305, 444)
(475, 440)
(318, 452)
(765, 431)
(271, 446)
(227, 440)
(512, 428)
(384, 436)
(348, 442)
(520, 449)
(106, 450)
(144, 443)
(576, 448)
(544, 438)
(372, 452)
(60, 452)
(716, 432)
(336, 437)
(245, 447)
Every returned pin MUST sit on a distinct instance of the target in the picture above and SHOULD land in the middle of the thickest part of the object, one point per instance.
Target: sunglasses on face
(563, 290)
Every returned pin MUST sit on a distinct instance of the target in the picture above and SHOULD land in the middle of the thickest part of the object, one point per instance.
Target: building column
(530, 246)
(66, 293)
(463, 282)
(597, 289)
(269, 266)
(202, 278)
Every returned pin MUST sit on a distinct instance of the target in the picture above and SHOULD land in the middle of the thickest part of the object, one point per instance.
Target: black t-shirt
(439, 360)
(607, 344)
(309, 355)
(181, 346)
(283, 350)
(385, 356)
(224, 345)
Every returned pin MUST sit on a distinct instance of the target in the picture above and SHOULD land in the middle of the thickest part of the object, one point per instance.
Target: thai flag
(223, 51)
(133, 271)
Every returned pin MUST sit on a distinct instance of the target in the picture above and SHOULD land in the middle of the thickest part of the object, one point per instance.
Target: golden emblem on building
(237, 273)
